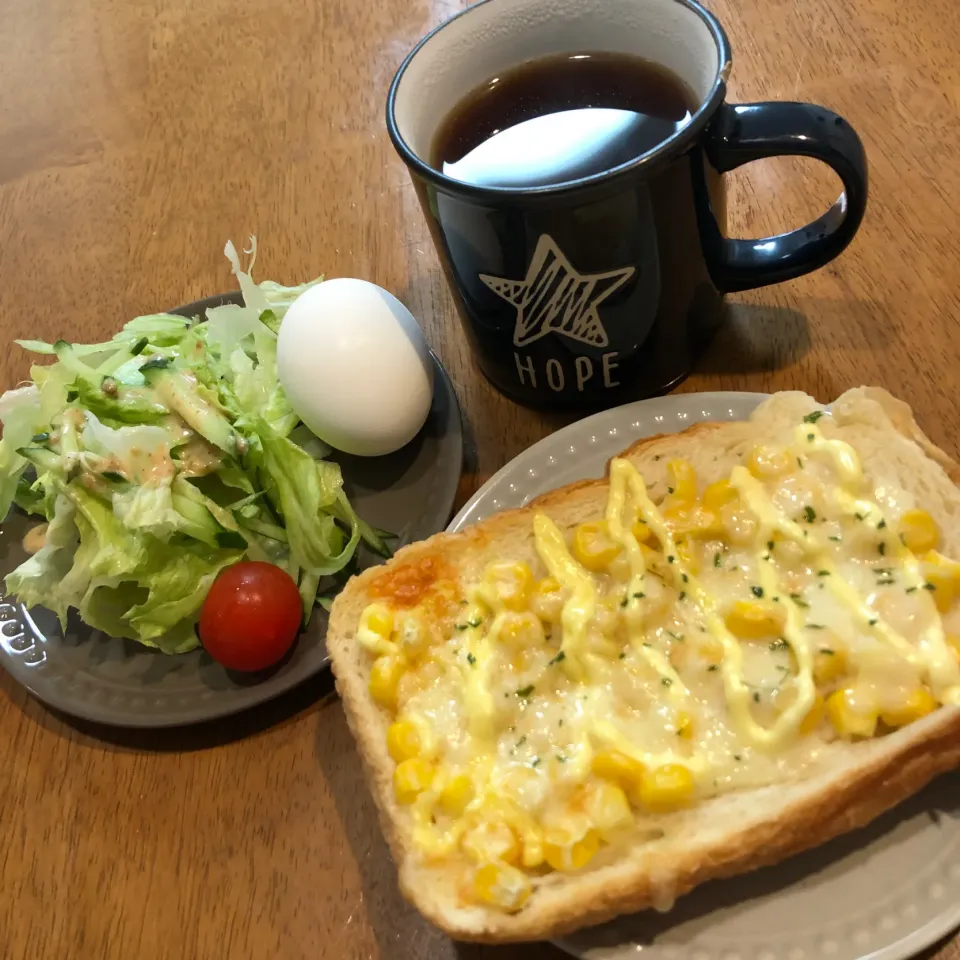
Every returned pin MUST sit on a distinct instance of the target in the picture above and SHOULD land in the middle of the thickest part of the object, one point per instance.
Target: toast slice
(751, 819)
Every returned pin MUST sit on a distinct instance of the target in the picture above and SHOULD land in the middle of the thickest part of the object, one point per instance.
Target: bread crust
(860, 782)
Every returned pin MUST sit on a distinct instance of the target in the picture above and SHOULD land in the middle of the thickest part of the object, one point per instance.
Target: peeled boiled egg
(355, 367)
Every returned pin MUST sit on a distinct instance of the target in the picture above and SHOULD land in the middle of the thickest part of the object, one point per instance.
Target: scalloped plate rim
(505, 490)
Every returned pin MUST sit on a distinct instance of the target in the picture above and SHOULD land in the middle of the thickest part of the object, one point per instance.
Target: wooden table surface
(135, 138)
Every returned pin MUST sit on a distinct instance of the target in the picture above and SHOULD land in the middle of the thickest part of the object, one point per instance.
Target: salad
(164, 456)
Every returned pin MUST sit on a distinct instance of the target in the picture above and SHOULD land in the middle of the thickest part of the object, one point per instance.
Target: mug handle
(751, 131)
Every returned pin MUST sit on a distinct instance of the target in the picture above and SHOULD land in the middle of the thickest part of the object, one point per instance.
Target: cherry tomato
(251, 616)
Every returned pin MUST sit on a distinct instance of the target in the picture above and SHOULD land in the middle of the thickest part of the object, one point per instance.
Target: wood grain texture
(135, 138)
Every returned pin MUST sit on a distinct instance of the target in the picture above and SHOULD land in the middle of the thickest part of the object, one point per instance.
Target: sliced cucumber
(198, 521)
(43, 458)
(179, 393)
(68, 357)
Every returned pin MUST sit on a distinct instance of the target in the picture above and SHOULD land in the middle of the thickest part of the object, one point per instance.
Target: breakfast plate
(119, 682)
(884, 892)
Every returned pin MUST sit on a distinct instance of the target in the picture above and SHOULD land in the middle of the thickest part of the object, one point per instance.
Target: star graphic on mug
(556, 297)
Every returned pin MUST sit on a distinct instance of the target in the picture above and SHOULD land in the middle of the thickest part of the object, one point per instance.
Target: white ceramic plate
(883, 893)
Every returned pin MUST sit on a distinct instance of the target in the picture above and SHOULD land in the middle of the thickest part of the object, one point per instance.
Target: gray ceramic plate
(121, 683)
(884, 892)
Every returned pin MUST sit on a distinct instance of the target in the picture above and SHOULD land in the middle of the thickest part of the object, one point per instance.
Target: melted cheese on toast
(657, 655)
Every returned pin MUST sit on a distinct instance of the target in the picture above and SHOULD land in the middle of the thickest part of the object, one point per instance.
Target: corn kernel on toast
(739, 644)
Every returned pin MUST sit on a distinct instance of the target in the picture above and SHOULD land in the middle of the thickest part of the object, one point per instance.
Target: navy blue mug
(604, 289)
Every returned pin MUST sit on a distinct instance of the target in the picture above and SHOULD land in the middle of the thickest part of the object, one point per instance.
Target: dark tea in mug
(559, 118)
(568, 156)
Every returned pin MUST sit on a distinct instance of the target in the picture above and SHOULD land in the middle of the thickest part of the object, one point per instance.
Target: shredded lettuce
(127, 445)
(162, 456)
(306, 492)
(21, 416)
(229, 325)
(176, 587)
(149, 508)
(42, 578)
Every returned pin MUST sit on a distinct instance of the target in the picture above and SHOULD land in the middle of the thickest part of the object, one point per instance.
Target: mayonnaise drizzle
(931, 652)
(478, 699)
(739, 695)
(771, 518)
(578, 611)
(623, 479)
(809, 438)
(605, 733)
